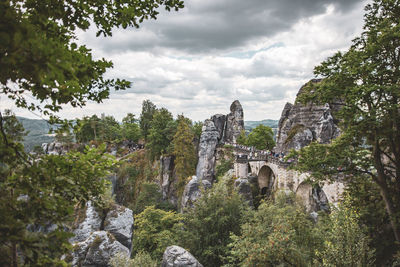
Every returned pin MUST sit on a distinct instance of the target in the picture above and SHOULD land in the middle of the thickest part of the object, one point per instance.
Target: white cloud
(186, 72)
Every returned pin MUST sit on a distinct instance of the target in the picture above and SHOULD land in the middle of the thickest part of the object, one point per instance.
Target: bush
(208, 225)
(345, 243)
(142, 259)
(155, 230)
(276, 234)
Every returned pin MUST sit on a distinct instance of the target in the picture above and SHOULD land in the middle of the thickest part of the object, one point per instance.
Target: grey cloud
(216, 25)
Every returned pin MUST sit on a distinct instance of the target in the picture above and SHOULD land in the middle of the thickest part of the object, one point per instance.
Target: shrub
(155, 230)
(142, 259)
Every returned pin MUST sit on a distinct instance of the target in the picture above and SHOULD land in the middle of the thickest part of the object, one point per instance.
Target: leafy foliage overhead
(39, 54)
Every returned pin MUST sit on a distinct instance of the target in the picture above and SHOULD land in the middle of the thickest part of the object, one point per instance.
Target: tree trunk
(384, 190)
(391, 211)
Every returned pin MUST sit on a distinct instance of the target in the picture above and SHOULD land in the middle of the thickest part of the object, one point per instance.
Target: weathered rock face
(91, 223)
(119, 222)
(192, 191)
(168, 180)
(217, 130)
(219, 123)
(300, 124)
(98, 238)
(208, 143)
(175, 256)
(54, 148)
(234, 122)
(97, 250)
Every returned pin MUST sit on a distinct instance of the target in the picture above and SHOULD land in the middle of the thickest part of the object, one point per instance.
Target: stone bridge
(274, 174)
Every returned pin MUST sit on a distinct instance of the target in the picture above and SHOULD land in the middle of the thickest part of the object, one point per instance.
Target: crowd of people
(261, 154)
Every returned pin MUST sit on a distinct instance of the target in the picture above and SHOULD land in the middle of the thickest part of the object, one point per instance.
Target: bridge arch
(266, 179)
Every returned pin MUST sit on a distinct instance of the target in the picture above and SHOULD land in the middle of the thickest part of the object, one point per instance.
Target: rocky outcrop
(119, 222)
(220, 124)
(208, 143)
(301, 124)
(91, 223)
(192, 191)
(54, 148)
(175, 256)
(218, 129)
(97, 250)
(234, 122)
(98, 237)
(168, 180)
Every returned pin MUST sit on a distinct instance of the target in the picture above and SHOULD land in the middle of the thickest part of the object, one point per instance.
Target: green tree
(162, 131)
(148, 110)
(362, 194)
(277, 234)
(38, 193)
(184, 152)
(109, 129)
(85, 129)
(40, 59)
(242, 138)
(261, 137)
(39, 55)
(155, 230)
(365, 82)
(345, 243)
(197, 128)
(149, 195)
(130, 129)
(64, 135)
(208, 225)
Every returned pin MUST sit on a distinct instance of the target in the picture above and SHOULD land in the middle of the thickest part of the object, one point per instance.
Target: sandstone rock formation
(91, 223)
(300, 124)
(119, 222)
(97, 250)
(234, 122)
(218, 129)
(175, 256)
(98, 238)
(208, 143)
(192, 191)
(168, 180)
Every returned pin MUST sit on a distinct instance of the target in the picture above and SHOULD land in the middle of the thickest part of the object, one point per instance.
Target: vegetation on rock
(365, 81)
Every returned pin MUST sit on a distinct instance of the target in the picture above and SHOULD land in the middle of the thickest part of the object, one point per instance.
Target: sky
(198, 60)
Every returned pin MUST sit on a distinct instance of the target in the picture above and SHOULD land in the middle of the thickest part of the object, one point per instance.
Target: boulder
(192, 191)
(175, 256)
(119, 222)
(234, 122)
(91, 223)
(208, 143)
(97, 250)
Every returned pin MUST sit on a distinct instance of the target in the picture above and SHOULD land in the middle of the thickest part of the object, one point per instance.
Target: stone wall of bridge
(273, 175)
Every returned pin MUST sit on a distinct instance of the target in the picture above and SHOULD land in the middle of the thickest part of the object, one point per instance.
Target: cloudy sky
(200, 59)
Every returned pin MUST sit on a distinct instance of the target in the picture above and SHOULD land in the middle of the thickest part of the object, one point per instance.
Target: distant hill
(38, 132)
(249, 125)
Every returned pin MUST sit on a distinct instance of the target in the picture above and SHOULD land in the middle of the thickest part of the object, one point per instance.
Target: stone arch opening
(266, 179)
(313, 197)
